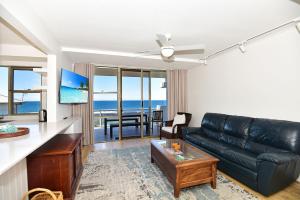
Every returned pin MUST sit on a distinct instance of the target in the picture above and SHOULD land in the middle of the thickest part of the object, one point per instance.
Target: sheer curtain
(86, 111)
(177, 92)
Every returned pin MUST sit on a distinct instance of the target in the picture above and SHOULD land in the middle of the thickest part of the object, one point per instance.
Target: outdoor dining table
(125, 116)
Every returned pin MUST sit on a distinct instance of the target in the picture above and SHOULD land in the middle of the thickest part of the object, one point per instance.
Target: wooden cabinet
(57, 165)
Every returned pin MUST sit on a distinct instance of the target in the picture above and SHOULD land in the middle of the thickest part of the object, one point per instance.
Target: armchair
(171, 130)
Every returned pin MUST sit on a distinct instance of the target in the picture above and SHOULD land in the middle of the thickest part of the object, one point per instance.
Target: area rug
(128, 174)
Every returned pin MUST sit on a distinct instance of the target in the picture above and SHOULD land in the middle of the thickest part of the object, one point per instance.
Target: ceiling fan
(167, 50)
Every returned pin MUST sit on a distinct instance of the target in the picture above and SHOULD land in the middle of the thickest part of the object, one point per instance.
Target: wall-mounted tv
(73, 88)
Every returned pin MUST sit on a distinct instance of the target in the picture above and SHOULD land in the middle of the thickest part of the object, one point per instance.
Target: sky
(131, 88)
(23, 80)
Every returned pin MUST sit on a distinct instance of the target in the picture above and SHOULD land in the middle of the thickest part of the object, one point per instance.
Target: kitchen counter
(13, 150)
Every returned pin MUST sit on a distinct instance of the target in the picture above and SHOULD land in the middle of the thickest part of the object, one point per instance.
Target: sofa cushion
(211, 144)
(257, 148)
(211, 133)
(236, 130)
(237, 126)
(241, 157)
(194, 138)
(276, 133)
(231, 140)
(214, 121)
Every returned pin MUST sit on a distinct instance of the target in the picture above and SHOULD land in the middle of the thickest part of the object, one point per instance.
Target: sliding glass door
(127, 103)
(135, 119)
(106, 114)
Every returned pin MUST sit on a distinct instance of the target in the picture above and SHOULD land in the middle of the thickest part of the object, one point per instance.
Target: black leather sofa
(261, 153)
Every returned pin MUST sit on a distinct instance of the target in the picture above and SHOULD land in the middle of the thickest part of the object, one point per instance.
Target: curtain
(86, 111)
(177, 92)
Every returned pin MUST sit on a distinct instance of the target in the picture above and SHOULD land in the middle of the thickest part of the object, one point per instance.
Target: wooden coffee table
(189, 168)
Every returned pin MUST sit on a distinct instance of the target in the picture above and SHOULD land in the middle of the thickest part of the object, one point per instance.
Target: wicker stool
(44, 194)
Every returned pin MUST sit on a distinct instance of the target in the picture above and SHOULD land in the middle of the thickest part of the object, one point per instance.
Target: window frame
(12, 91)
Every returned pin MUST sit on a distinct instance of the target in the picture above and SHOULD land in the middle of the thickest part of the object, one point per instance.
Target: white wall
(55, 110)
(63, 110)
(263, 82)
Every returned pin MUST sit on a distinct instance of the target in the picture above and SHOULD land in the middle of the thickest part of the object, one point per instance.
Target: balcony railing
(100, 115)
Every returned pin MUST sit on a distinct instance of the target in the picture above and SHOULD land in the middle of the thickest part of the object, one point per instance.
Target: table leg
(111, 132)
(105, 126)
(213, 183)
(176, 191)
(147, 128)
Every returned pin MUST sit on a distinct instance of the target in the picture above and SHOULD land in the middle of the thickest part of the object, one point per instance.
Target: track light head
(242, 46)
(298, 26)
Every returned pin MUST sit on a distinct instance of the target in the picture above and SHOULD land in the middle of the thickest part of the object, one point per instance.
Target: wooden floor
(290, 193)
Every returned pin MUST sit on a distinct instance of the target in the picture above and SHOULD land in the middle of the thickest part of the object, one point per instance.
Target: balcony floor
(128, 132)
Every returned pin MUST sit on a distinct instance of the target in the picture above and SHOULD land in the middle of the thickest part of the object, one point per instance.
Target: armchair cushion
(168, 129)
(179, 119)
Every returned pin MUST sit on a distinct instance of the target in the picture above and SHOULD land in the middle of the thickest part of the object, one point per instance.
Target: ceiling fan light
(167, 52)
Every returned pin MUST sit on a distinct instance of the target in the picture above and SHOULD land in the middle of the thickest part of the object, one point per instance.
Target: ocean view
(127, 104)
(34, 106)
(25, 107)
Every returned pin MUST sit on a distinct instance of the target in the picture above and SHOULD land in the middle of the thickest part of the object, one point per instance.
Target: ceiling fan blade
(190, 49)
(163, 39)
(169, 60)
(150, 52)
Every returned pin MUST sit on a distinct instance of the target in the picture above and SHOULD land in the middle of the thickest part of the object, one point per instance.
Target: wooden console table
(57, 165)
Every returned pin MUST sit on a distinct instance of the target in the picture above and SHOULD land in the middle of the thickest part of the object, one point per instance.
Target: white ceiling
(130, 26)
(7, 36)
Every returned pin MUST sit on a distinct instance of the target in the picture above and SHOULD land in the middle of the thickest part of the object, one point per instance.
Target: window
(21, 94)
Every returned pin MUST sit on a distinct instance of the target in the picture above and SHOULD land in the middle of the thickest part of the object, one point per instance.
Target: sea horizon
(34, 106)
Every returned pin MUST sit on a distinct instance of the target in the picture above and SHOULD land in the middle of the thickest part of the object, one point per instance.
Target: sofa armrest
(189, 130)
(275, 171)
(278, 158)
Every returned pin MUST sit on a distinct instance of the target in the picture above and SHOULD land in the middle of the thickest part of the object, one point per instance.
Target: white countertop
(13, 150)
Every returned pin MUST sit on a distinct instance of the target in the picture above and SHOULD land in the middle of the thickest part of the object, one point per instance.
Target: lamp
(242, 46)
(167, 52)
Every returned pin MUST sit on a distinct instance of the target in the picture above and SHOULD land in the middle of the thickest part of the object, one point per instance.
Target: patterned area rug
(128, 174)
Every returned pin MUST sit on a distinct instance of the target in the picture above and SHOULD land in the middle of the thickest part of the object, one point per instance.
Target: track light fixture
(203, 61)
(242, 46)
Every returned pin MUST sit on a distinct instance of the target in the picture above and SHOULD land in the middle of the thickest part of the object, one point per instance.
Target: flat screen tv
(73, 88)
